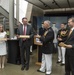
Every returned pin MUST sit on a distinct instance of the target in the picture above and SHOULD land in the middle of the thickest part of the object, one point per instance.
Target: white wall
(5, 4)
(22, 9)
(14, 8)
(36, 11)
(29, 11)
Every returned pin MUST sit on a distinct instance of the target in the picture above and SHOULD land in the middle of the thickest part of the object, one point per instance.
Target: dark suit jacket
(70, 41)
(48, 46)
(41, 31)
(29, 32)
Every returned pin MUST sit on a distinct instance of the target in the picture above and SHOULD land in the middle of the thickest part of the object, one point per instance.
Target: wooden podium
(38, 44)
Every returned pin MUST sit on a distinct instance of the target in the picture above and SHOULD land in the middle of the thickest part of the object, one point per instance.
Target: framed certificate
(37, 41)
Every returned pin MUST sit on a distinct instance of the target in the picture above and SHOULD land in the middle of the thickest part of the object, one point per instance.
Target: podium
(13, 52)
(38, 44)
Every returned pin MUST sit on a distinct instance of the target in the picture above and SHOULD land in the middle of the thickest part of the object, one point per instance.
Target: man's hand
(65, 45)
(62, 44)
(68, 46)
(37, 36)
(59, 39)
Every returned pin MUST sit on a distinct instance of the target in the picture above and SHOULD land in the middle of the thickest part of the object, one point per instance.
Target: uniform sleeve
(58, 34)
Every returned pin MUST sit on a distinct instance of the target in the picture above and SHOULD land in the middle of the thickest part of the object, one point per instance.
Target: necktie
(70, 32)
(24, 30)
(24, 33)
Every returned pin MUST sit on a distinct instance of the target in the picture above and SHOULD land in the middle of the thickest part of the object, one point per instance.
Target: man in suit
(25, 43)
(69, 56)
(47, 48)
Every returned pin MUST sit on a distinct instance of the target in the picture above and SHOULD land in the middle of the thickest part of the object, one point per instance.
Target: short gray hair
(47, 21)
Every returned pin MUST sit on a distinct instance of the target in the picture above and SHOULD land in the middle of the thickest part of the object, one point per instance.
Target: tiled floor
(11, 69)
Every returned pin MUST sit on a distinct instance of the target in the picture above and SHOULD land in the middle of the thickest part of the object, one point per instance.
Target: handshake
(65, 45)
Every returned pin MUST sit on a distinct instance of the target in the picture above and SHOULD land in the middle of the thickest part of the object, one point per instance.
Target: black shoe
(40, 71)
(31, 53)
(58, 61)
(47, 74)
(62, 64)
(67, 74)
(22, 68)
(27, 68)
